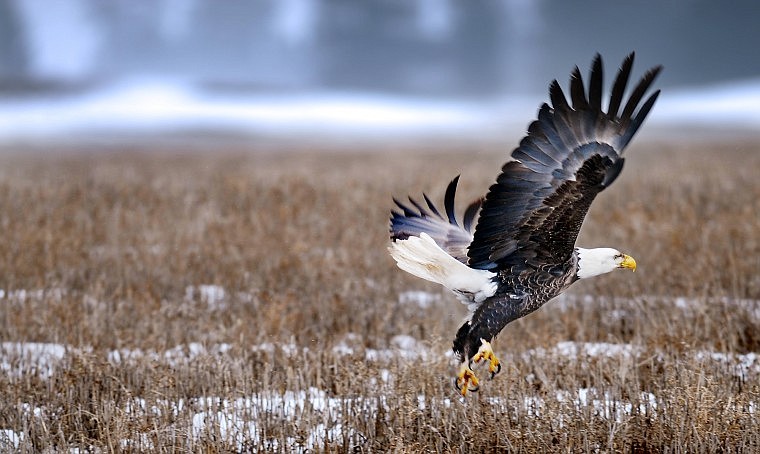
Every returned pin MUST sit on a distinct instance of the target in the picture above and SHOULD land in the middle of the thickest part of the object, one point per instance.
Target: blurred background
(337, 69)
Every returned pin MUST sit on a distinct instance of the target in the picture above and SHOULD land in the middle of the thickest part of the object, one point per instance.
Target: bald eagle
(521, 252)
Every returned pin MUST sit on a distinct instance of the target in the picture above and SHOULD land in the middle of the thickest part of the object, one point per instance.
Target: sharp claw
(464, 379)
(494, 372)
(462, 389)
(466, 376)
(485, 352)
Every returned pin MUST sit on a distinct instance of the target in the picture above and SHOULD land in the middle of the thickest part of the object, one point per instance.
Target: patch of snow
(741, 365)
(422, 402)
(689, 305)
(322, 434)
(141, 444)
(385, 375)
(18, 358)
(567, 301)
(229, 425)
(422, 299)
(343, 350)
(572, 350)
(405, 343)
(10, 439)
(684, 303)
(284, 348)
(347, 345)
(23, 295)
(402, 346)
(181, 354)
(213, 295)
(532, 405)
(595, 349)
(618, 314)
(605, 405)
(232, 420)
(602, 403)
(27, 408)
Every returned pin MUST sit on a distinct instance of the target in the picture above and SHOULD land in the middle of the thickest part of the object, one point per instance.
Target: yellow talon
(485, 352)
(466, 380)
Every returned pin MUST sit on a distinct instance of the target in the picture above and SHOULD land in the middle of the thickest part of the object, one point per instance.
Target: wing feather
(577, 91)
(618, 88)
(449, 199)
(639, 119)
(534, 211)
(638, 93)
(470, 213)
(595, 84)
(557, 96)
(444, 230)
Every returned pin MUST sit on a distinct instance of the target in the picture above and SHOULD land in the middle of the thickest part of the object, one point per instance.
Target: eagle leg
(466, 380)
(485, 352)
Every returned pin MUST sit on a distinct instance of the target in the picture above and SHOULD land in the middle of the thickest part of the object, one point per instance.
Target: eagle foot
(485, 352)
(466, 380)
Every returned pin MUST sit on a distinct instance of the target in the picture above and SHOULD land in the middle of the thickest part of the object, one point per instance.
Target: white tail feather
(422, 257)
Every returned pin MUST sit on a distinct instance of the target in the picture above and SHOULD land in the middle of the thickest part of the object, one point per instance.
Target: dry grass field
(242, 299)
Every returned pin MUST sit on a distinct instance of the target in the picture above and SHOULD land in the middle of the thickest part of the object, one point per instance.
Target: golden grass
(111, 248)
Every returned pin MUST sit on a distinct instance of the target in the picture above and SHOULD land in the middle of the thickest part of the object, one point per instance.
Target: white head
(593, 262)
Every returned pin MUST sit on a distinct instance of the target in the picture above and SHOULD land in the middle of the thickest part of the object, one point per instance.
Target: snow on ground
(602, 402)
(234, 420)
(22, 295)
(687, 305)
(10, 439)
(213, 295)
(421, 299)
(606, 406)
(741, 365)
(238, 421)
(19, 358)
(181, 354)
(401, 347)
(595, 349)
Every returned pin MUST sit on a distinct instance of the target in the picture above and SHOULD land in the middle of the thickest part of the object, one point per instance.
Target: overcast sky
(435, 47)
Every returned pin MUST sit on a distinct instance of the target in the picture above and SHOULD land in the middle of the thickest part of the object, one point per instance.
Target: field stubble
(237, 300)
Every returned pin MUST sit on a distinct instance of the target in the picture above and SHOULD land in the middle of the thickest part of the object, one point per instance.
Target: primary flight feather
(521, 252)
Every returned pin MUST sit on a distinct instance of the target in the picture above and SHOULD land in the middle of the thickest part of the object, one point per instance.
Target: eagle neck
(593, 262)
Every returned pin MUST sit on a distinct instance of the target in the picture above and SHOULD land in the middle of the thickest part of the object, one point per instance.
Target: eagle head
(596, 261)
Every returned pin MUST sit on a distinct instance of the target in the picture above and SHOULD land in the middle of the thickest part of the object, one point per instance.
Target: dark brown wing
(534, 211)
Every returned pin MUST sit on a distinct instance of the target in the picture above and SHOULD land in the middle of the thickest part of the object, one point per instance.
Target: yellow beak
(628, 262)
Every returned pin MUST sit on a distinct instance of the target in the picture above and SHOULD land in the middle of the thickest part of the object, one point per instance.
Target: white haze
(154, 106)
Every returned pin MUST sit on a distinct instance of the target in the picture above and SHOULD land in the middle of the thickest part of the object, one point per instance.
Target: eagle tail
(422, 257)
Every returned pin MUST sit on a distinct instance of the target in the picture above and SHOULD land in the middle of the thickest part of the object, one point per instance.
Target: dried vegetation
(106, 253)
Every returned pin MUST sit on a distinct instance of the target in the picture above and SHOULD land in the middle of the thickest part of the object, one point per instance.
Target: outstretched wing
(534, 211)
(446, 231)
